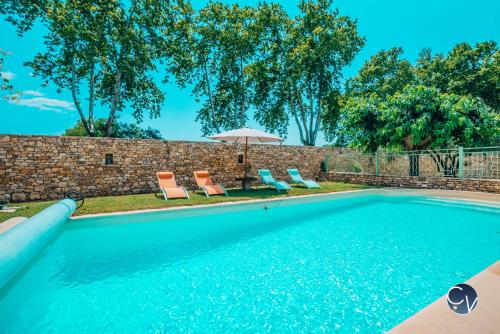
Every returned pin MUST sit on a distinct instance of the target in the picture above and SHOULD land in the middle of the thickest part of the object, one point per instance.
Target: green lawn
(152, 201)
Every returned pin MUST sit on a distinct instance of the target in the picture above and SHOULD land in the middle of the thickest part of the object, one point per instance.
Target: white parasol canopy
(247, 135)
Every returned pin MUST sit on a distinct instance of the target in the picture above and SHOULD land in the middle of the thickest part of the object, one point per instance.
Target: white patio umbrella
(247, 135)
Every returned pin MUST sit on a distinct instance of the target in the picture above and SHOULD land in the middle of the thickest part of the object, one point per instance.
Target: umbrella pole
(246, 156)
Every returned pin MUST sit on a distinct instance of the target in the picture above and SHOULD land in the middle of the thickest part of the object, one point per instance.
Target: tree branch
(91, 97)
(77, 102)
(296, 117)
(114, 105)
(209, 93)
(303, 116)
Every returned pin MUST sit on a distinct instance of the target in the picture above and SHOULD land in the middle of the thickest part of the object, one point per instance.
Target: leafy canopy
(383, 74)
(23, 13)
(103, 51)
(120, 130)
(217, 46)
(439, 102)
(299, 76)
(419, 118)
(466, 70)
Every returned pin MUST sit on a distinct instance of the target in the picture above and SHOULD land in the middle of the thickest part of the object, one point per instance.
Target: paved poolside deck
(10, 223)
(463, 195)
(437, 318)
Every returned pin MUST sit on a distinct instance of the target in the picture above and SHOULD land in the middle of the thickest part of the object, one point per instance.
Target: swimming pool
(353, 263)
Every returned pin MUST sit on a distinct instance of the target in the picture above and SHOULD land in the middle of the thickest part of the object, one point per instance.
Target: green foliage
(105, 52)
(419, 118)
(383, 74)
(239, 57)
(218, 44)
(23, 13)
(440, 102)
(464, 71)
(300, 75)
(120, 130)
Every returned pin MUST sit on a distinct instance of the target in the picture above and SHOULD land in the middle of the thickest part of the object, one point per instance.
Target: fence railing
(478, 163)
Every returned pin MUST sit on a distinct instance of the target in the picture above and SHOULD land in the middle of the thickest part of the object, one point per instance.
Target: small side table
(246, 182)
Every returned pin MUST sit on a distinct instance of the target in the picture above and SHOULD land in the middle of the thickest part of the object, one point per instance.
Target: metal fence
(477, 163)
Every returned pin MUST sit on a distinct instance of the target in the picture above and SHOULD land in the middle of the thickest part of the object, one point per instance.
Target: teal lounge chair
(296, 178)
(267, 178)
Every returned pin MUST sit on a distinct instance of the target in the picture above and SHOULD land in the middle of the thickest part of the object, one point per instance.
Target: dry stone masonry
(45, 167)
(419, 182)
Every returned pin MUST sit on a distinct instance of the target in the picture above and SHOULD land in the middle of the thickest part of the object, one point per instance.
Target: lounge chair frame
(166, 196)
(210, 183)
(273, 183)
(206, 192)
(299, 180)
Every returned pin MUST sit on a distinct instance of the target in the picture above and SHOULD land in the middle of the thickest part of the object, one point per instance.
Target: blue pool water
(358, 264)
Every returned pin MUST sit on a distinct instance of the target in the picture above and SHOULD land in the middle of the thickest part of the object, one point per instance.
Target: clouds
(7, 75)
(36, 99)
(32, 93)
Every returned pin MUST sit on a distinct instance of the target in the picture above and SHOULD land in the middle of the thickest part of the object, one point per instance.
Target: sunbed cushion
(166, 179)
(266, 176)
(203, 178)
(202, 174)
(281, 185)
(311, 184)
(175, 192)
(214, 189)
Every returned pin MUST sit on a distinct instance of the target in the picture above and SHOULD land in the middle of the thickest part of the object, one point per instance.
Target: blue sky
(411, 24)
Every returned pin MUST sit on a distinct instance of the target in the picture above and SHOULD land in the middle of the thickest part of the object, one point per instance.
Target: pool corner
(437, 318)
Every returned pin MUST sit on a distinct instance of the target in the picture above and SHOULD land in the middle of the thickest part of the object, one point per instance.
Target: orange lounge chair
(204, 181)
(169, 187)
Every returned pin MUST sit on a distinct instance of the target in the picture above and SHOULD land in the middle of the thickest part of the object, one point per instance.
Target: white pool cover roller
(22, 242)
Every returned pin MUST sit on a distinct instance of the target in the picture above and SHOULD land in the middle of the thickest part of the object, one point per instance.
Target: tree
(470, 73)
(301, 79)
(104, 52)
(466, 70)
(265, 72)
(383, 74)
(120, 130)
(219, 44)
(421, 118)
(23, 13)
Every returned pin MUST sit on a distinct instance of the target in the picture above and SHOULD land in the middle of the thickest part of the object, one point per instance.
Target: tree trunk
(91, 99)
(448, 165)
(90, 130)
(242, 95)
(210, 96)
(414, 162)
(303, 124)
(116, 98)
(293, 110)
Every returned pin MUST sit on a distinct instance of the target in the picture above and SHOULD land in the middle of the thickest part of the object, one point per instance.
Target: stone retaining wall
(45, 167)
(491, 186)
